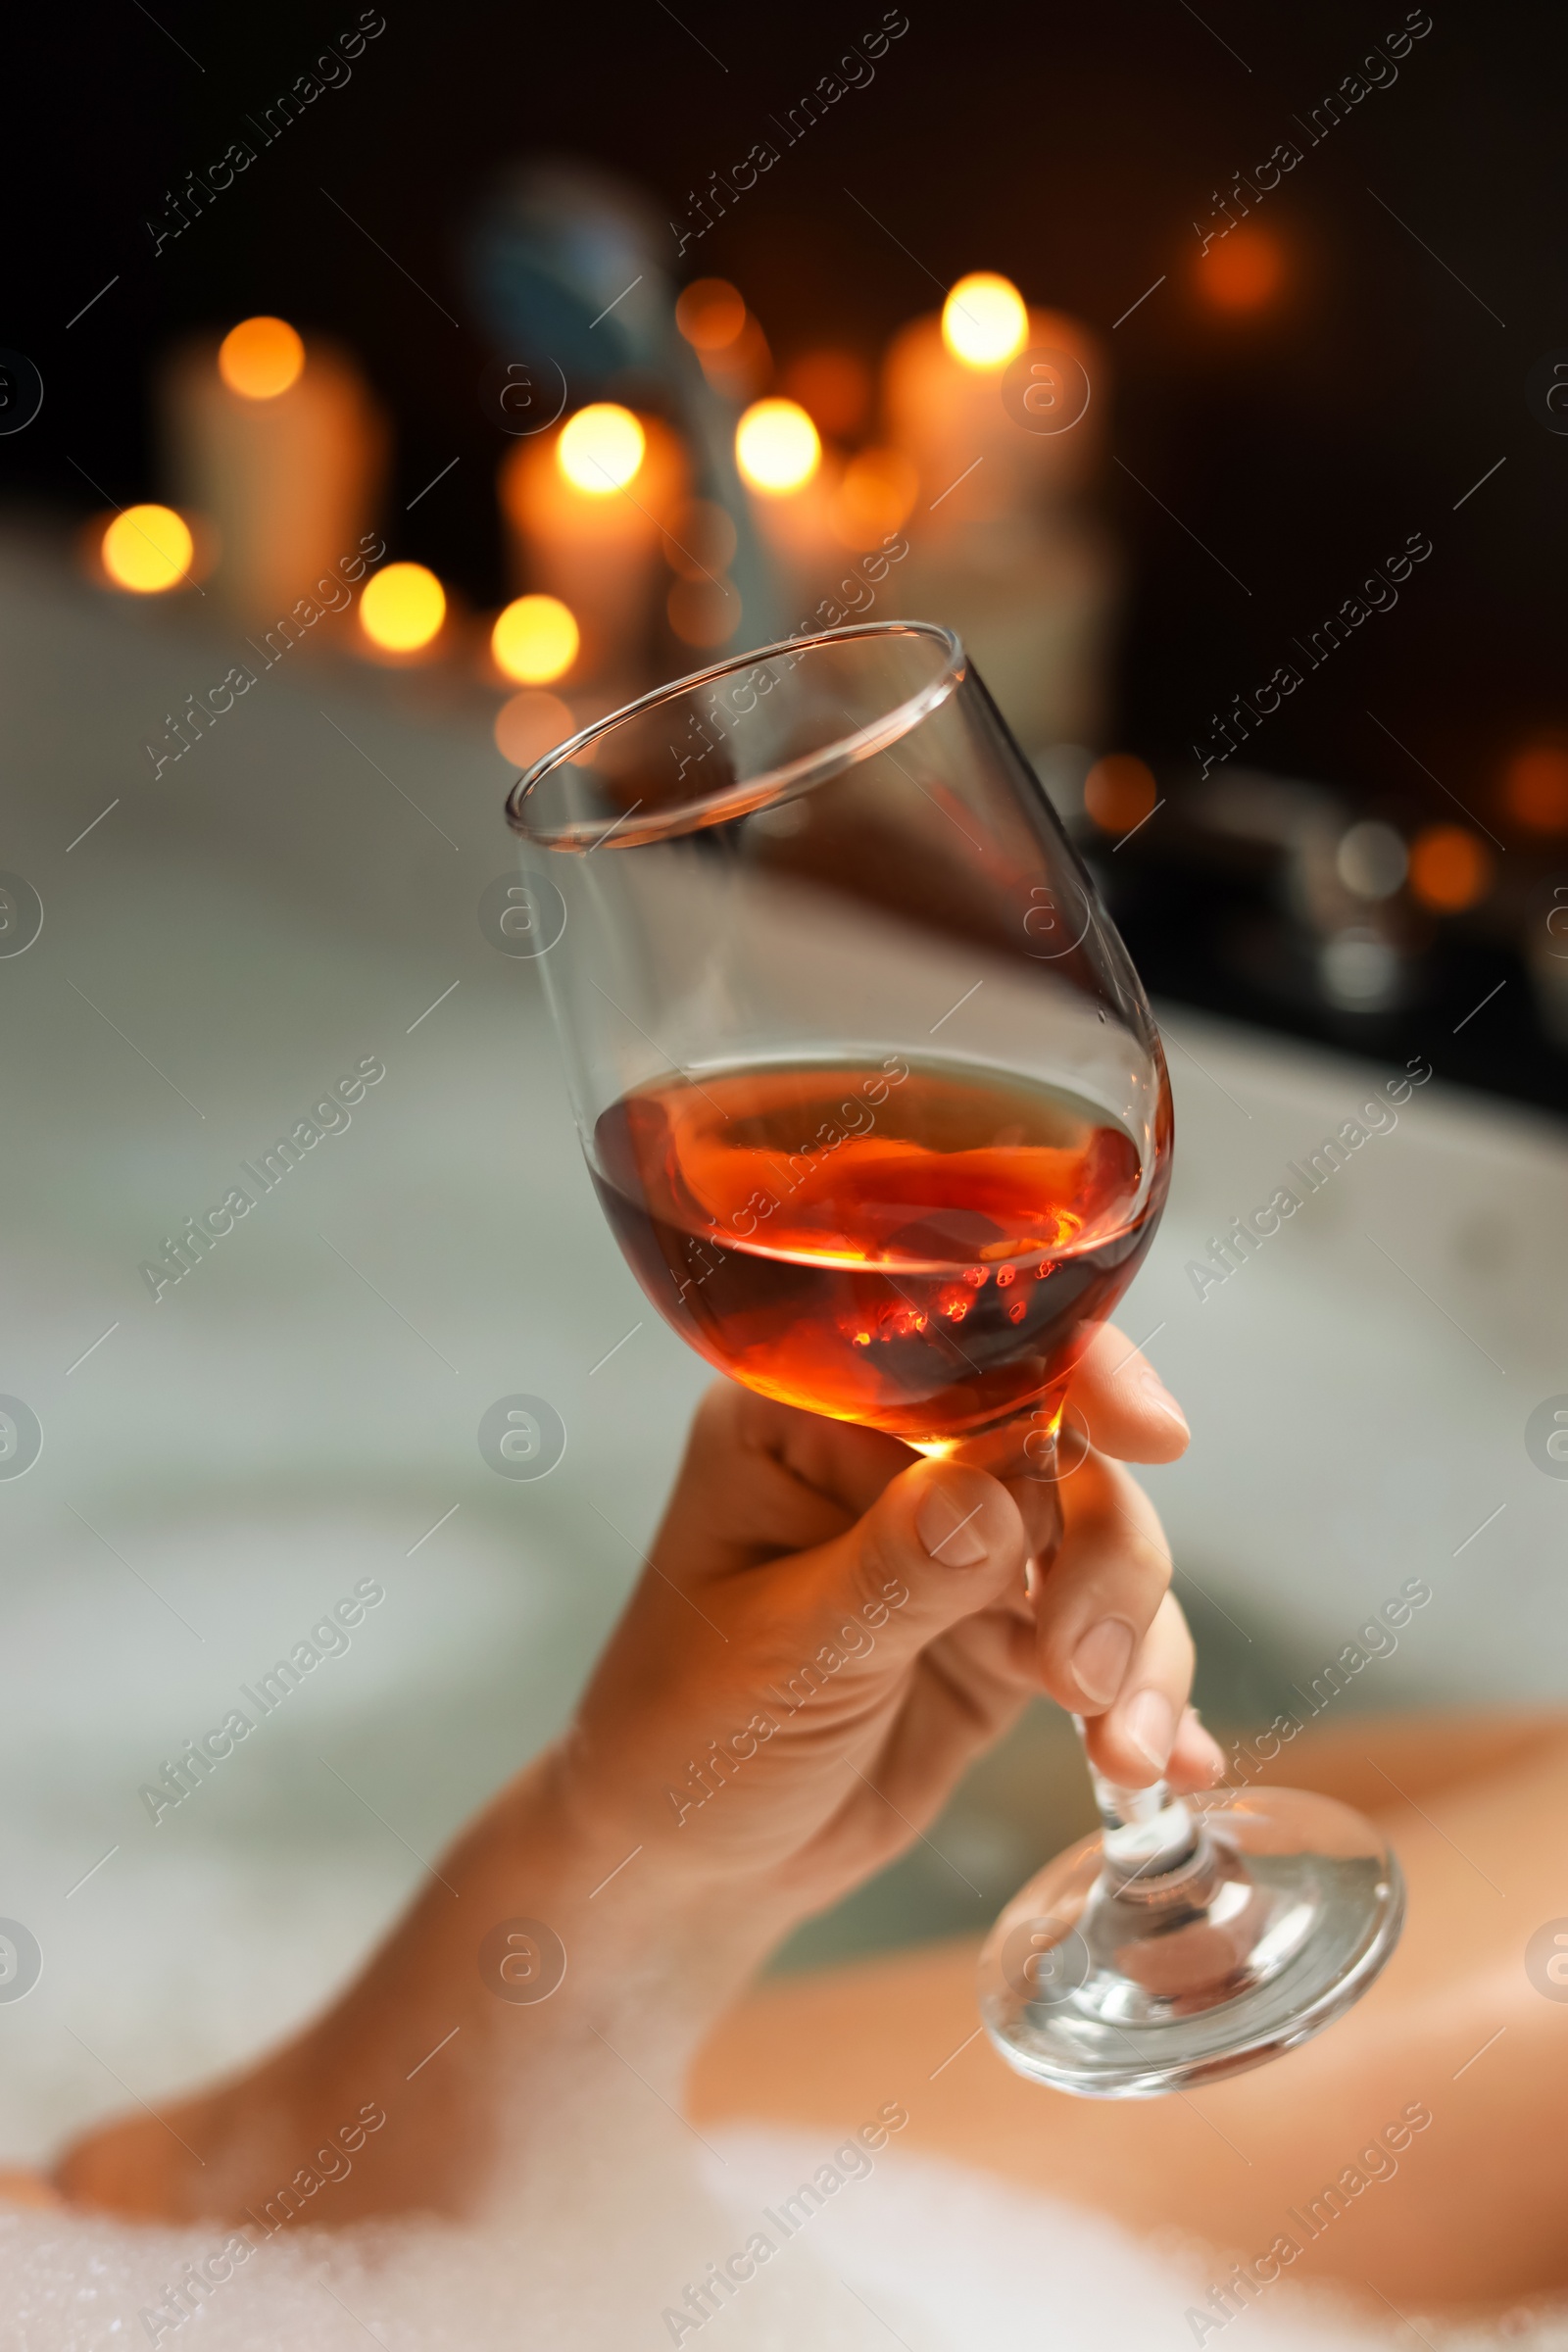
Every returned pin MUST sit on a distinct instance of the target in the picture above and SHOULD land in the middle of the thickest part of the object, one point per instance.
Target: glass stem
(1147, 1831)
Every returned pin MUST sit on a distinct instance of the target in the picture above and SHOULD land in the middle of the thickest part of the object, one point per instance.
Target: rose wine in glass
(913, 1246)
(875, 1107)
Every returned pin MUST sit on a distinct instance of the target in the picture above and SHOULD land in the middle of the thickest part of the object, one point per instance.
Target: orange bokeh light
(148, 550)
(535, 640)
(711, 313)
(777, 446)
(261, 358)
(1242, 270)
(1535, 787)
(704, 613)
(1450, 869)
(984, 319)
(1119, 792)
(600, 449)
(530, 724)
(402, 607)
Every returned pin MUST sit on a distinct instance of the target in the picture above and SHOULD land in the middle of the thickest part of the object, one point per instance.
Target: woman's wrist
(610, 1930)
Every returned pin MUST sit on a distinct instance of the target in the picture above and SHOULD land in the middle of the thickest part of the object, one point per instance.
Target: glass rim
(745, 797)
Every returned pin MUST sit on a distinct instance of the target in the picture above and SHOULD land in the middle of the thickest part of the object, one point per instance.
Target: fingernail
(948, 1536)
(1150, 1725)
(1101, 1660)
(1159, 1398)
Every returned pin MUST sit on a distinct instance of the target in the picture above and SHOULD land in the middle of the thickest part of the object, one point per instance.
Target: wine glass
(875, 1105)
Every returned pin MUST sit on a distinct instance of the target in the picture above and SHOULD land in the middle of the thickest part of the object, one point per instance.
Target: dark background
(1072, 149)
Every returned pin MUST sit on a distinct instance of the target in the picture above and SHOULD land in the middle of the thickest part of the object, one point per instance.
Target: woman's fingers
(1150, 1731)
(1102, 1593)
(1197, 1761)
(761, 1480)
(1118, 1397)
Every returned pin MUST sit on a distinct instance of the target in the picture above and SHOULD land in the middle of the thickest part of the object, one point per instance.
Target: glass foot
(1219, 1933)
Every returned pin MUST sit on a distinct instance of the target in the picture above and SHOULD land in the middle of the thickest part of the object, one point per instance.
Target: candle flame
(776, 445)
(261, 358)
(984, 321)
(600, 449)
(402, 607)
(535, 640)
(147, 549)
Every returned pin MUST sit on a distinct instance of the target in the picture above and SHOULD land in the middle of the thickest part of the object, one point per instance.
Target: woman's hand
(831, 1628)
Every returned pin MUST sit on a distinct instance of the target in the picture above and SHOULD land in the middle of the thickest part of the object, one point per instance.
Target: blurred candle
(780, 453)
(280, 448)
(999, 410)
(980, 441)
(586, 506)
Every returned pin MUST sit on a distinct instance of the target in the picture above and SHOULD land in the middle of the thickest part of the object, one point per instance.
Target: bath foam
(917, 2250)
(952, 2260)
(75, 2282)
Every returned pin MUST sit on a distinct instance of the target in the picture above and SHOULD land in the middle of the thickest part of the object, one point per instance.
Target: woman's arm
(829, 1630)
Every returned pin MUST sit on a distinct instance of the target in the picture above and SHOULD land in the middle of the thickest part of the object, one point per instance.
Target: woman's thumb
(940, 1543)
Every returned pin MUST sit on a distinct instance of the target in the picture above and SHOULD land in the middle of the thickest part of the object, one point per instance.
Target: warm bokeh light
(530, 724)
(1535, 787)
(834, 388)
(1450, 869)
(402, 607)
(709, 314)
(600, 449)
(877, 491)
(776, 445)
(147, 549)
(1242, 270)
(1119, 792)
(701, 541)
(535, 640)
(261, 358)
(704, 613)
(984, 321)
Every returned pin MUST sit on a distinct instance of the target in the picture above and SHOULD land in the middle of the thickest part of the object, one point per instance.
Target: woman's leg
(1464, 2208)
